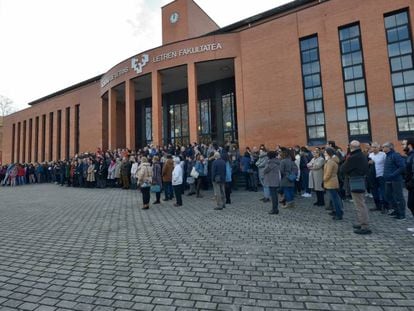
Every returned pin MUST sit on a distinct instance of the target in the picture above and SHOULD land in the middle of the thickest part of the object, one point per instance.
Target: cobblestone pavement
(77, 249)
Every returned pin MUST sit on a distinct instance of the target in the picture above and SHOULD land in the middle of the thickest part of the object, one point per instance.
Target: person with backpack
(394, 168)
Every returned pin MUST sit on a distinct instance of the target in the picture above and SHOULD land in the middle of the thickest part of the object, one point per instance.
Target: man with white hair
(377, 157)
(177, 181)
(218, 177)
(356, 168)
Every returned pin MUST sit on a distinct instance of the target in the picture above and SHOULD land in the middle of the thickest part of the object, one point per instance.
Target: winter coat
(167, 170)
(156, 174)
(355, 165)
(271, 173)
(118, 169)
(286, 168)
(144, 174)
(394, 166)
(177, 175)
(91, 173)
(111, 171)
(261, 163)
(330, 173)
(218, 171)
(316, 173)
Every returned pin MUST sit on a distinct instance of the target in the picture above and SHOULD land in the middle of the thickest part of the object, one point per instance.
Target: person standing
(394, 168)
(228, 183)
(156, 177)
(218, 177)
(287, 167)
(331, 182)
(261, 164)
(200, 168)
(377, 157)
(316, 176)
(167, 170)
(271, 178)
(177, 181)
(356, 168)
(144, 179)
(408, 145)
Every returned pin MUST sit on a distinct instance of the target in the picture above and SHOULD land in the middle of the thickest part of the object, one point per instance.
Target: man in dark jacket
(218, 177)
(394, 168)
(356, 167)
(408, 145)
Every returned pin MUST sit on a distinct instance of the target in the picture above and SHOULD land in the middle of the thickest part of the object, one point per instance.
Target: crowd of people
(283, 174)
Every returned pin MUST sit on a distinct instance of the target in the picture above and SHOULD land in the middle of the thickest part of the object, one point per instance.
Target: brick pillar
(130, 114)
(112, 143)
(156, 108)
(241, 124)
(192, 102)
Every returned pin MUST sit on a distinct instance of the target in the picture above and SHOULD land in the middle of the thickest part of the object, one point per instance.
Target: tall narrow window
(400, 53)
(36, 155)
(67, 138)
(19, 134)
(50, 136)
(43, 138)
(354, 83)
(77, 128)
(29, 154)
(59, 135)
(312, 88)
(24, 141)
(179, 124)
(229, 117)
(204, 121)
(13, 154)
(148, 125)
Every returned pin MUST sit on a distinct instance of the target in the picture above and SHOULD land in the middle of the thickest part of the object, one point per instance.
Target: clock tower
(184, 19)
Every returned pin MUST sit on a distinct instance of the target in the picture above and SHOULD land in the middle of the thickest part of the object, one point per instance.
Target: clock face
(174, 18)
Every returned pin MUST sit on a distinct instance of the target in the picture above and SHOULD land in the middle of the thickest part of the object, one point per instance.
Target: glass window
(354, 82)
(401, 18)
(397, 79)
(390, 21)
(409, 92)
(401, 109)
(408, 77)
(315, 118)
(360, 99)
(405, 47)
(148, 124)
(399, 93)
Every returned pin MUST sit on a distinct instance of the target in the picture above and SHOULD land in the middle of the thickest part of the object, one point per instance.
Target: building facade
(302, 73)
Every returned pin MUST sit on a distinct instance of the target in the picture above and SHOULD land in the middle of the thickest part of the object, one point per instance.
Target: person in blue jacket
(394, 168)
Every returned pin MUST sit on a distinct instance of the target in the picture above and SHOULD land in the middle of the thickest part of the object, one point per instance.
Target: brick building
(302, 73)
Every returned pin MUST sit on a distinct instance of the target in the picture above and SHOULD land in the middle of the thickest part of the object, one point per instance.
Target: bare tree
(6, 106)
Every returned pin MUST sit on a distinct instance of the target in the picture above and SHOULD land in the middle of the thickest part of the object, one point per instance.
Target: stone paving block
(97, 251)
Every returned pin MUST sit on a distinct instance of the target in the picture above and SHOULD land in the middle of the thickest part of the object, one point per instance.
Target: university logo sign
(139, 65)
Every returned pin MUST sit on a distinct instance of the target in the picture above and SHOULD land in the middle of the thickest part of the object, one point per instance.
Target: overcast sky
(48, 45)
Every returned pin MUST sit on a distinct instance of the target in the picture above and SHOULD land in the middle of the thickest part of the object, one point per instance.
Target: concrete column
(156, 108)
(192, 102)
(241, 119)
(130, 114)
(112, 141)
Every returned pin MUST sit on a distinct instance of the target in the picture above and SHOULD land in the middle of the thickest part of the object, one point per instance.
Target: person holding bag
(156, 179)
(356, 168)
(144, 178)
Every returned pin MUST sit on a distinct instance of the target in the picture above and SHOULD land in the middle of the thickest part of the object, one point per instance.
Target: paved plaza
(92, 249)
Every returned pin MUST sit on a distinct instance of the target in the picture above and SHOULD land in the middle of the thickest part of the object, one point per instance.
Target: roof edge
(68, 89)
